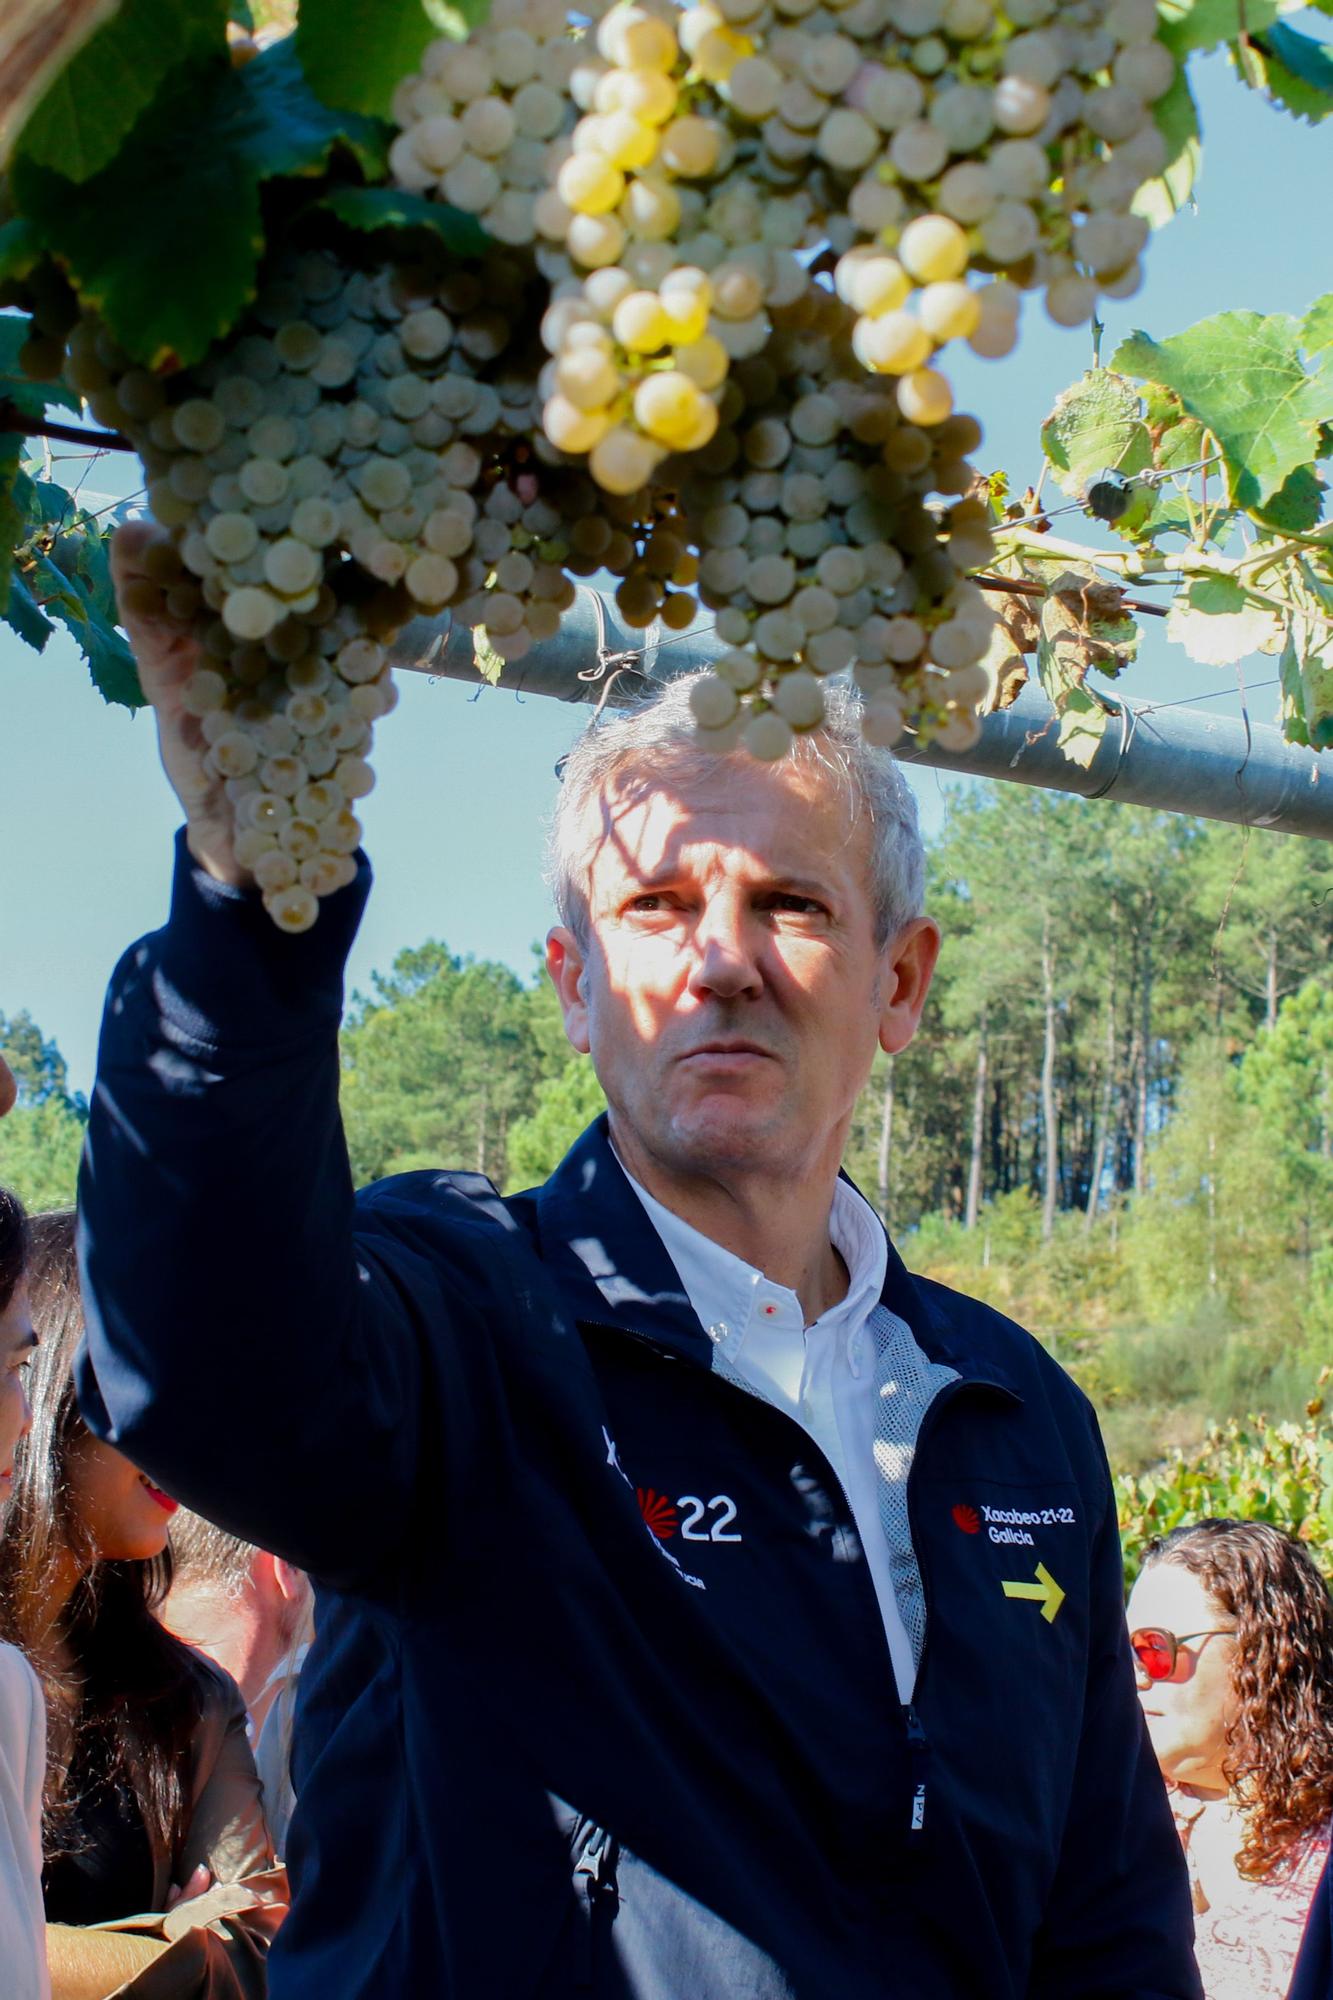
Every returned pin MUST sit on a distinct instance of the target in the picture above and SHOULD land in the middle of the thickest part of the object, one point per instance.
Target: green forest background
(1116, 1124)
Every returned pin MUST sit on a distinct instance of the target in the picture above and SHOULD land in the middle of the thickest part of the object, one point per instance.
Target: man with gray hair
(244, 1607)
(706, 1608)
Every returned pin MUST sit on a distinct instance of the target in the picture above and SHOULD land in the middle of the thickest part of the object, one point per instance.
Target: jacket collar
(611, 1262)
(614, 1270)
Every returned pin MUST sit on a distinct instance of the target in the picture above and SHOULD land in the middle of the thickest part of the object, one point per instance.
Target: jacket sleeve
(1119, 1925)
(241, 1348)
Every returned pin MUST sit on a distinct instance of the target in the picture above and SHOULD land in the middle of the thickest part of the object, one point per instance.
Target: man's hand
(143, 562)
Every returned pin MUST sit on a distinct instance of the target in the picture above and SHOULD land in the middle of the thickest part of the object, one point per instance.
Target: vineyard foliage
(1199, 455)
(1248, 1469)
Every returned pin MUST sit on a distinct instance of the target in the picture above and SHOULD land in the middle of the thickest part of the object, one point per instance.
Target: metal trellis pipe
(1169, 757)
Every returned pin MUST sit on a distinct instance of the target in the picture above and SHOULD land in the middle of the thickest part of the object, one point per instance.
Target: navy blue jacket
(600, 1701)
(1312, 1976)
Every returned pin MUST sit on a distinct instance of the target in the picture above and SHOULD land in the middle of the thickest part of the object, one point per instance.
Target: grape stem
(12, 418)
(1020, 587)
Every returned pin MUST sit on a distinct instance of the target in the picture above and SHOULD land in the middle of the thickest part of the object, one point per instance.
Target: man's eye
(794, 904)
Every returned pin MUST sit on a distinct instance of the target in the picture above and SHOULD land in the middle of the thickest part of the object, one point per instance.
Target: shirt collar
(726, 1292)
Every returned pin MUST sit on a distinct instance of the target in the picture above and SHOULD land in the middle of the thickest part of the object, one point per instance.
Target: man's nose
(727, 947)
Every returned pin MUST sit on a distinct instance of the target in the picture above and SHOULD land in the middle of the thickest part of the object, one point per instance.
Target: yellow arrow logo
(1045, 1591)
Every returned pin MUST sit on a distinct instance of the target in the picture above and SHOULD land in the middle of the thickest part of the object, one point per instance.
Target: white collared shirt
(822, 1375)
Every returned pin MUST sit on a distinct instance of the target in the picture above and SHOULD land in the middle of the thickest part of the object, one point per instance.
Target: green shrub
(1249, 1469)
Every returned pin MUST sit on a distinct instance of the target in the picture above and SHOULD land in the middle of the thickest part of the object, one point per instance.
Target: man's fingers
(141, 552)
(144, 566)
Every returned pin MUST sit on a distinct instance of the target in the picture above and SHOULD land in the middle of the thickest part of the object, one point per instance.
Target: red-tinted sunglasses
(1157, 1650)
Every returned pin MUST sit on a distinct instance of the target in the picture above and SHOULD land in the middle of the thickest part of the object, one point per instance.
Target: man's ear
(569, 976)
(909, 964)
(291, 1581)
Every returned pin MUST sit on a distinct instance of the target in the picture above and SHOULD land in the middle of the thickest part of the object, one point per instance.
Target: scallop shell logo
(659, 1513)
(967, 1518)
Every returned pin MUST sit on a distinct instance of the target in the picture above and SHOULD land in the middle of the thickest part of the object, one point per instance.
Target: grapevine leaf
(1216, 623)
(369, 209)
(24, 396)
(40, 38)
(1203, 24)
(1170, 516)
(86, 112)
(1004, 664)
(1317, 327)
(12, 512)
(1095, 424)
(1177, 119)
(21, 247)
(1082, 628)
(354, 70)
(1062, 665)
(1140, 518)
(1241, 375)
(485, 659)
(1181, 446)
(1082, 727)
(1297, 71)
(171, 287)
(81, 551)
(1296, 506)
(110, 661)
(22, 614)
(1306, 686)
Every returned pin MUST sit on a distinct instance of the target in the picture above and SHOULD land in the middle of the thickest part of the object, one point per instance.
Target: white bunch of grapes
(929, 141)
(728, 242)
(818, 551)
(347, 459)
(479, 121)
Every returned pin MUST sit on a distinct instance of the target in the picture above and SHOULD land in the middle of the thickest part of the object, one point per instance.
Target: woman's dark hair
(1279, 1759)
(131, 1695)
(13, 1245)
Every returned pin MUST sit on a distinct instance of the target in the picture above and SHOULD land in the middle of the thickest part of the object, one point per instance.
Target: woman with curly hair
(1231, 1626)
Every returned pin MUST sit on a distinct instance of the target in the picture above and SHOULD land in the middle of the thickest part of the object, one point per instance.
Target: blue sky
(455, 826)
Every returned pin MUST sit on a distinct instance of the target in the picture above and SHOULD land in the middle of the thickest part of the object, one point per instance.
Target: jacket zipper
(918, 1746)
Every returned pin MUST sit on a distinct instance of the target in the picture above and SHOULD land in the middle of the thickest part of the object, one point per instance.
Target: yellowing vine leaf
(1083, 628)
(1218, 624)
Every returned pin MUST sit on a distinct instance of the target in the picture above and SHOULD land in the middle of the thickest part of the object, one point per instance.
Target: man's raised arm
(239, 1350)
